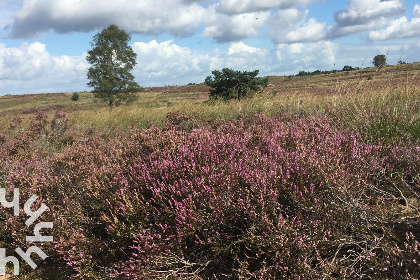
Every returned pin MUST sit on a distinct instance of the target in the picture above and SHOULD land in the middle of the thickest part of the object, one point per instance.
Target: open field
(317, 177)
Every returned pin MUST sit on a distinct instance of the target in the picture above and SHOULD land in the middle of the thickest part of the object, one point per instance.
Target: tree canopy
(230, 84)
(112, 61)
(379, 60)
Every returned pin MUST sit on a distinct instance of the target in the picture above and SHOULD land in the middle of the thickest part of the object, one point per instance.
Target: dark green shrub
(379, 60)
(230, 84)
(75, 96)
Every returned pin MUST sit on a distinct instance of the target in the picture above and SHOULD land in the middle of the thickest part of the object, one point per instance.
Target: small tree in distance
(112, 60)
(379, 60)
(75, 96)
(230, 84)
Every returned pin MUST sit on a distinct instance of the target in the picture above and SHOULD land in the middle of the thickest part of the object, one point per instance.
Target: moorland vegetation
(315, 177)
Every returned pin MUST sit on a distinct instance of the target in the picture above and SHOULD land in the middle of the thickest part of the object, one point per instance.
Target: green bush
(230, 84)
(379, 60)
(75, 96)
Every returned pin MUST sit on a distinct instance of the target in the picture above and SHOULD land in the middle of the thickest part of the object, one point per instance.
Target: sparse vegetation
(316, 72)
(320, 72)
(317, 177)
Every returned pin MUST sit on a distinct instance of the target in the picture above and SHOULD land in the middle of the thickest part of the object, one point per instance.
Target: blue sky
(43, 43)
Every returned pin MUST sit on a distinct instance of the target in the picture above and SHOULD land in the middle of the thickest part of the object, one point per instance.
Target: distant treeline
(319, 72)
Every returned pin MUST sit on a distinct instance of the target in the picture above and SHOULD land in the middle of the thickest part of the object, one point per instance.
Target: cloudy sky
(43, 43)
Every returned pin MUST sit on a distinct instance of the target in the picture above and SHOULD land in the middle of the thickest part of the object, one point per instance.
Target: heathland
(316, 177)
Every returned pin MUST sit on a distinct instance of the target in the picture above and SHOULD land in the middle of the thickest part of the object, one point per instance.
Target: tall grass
(391, 111)
(377, 109)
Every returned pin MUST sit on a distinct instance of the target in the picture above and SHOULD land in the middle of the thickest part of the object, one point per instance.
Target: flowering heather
(282, 197)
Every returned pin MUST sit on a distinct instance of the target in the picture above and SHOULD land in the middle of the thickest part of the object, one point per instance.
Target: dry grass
(347, 97)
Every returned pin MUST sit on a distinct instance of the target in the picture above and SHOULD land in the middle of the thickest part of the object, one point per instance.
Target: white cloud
(310, 31)
(362, 15)
(326, 55)
(241, 47)
(291, 26)
(31, 66)
(170, 64)
(416, 11)
(363, 11)
(399, 28)
(306, 56)
(224, 20)
(144, 17)
(226, 28)
(362, 55)
(246, 58)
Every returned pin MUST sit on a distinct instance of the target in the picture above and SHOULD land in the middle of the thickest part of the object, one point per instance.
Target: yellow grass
(345, 97)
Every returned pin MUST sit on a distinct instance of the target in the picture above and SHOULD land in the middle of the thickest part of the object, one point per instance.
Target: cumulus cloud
(234, 20)
(310, 31)
(168, 63)
(241, 47)
(223, 20)
(306, 56)
(171, 64)
(362, 55)
(31, 66)
(362, 15)
(150, 17)
(292, 26)
(246, 58)
(399, 28)
(227, 28)
(301, 41)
